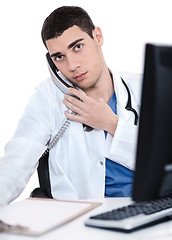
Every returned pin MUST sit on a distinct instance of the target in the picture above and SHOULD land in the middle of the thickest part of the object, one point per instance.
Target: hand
(94, 113)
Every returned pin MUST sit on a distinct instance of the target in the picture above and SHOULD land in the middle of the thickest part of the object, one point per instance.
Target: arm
(25, 148)
(122, 138)
(17, 166)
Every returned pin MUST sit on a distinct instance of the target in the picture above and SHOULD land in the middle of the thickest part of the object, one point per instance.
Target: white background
(126, 25)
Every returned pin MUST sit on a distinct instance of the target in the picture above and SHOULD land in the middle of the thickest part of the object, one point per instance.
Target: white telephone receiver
(58, 78)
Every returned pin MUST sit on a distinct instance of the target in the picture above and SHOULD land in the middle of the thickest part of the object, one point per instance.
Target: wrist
(113, 125)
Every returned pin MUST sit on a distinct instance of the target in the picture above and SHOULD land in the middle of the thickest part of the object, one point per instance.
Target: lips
(80, 76)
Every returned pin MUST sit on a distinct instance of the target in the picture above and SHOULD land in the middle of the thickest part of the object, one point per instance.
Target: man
(83, 164)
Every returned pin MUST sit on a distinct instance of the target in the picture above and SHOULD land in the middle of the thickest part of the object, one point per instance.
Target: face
(78, 56)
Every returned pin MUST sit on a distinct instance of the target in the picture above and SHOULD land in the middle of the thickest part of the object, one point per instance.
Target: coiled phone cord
(57, 137)
(60, 133)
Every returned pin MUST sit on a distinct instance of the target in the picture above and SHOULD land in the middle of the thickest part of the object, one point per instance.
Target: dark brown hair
(63, 18)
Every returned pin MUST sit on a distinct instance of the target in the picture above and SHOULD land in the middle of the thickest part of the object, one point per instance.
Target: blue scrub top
(118, 179)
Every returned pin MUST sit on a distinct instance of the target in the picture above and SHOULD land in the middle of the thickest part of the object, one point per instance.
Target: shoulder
(132, 78)
(45, 96)
(46, 86)
(47, 89)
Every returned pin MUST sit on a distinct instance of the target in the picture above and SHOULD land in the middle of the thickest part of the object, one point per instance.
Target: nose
(72, 62)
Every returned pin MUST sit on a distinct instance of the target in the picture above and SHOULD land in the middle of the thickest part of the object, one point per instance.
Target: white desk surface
(76, 230)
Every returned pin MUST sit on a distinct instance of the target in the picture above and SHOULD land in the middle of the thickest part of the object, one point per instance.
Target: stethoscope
(129, 104)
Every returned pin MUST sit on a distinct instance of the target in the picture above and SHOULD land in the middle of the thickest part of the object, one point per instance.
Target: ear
(98, 36)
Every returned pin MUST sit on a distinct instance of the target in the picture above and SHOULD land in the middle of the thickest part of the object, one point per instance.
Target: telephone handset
(63, 84)
(58, 78)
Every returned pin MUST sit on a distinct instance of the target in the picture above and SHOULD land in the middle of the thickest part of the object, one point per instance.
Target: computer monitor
(153, 171)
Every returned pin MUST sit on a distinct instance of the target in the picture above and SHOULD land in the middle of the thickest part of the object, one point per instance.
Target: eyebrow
(70, 46)
(75, 42)
(55, 54)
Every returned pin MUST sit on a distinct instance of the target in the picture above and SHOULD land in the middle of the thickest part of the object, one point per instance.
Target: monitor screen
(153, 171)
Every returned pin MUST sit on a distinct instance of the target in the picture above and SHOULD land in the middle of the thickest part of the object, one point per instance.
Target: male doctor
(83, 164)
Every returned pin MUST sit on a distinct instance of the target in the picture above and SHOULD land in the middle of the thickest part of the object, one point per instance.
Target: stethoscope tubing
(129, 104)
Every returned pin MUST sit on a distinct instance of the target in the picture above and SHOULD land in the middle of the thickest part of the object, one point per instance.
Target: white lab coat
(77, 162)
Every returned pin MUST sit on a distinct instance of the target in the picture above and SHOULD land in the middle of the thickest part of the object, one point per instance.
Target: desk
(76, 230)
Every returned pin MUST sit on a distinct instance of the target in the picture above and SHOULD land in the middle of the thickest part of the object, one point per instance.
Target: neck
(103, 88)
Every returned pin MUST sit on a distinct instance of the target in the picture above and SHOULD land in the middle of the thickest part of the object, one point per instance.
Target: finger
(74, 101)
(78, 93)
(72, 106)
(73, 117)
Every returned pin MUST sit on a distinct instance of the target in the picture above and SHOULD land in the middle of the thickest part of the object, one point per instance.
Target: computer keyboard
(134, 216)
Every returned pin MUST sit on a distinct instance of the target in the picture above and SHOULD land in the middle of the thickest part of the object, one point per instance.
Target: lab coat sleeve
(23, 151)
(16, 167)
(122, 147)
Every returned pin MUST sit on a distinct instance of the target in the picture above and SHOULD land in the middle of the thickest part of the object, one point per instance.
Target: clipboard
(35, 216)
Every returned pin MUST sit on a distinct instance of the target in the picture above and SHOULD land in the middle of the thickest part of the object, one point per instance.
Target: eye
(58, 58)
(78, 47)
